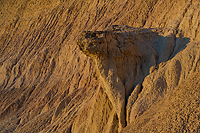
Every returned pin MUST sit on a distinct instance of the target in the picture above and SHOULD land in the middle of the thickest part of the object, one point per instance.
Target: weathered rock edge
(123, 56)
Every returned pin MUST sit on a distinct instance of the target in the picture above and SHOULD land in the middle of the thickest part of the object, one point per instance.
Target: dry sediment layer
(46, 83)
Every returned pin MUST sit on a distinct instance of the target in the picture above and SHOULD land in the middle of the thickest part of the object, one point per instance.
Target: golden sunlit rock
(135, 68)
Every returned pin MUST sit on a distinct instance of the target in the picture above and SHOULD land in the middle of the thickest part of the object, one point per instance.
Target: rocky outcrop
(123, 57)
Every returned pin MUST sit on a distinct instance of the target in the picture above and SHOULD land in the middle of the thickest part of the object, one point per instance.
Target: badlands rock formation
(123, 57)
(48, 85)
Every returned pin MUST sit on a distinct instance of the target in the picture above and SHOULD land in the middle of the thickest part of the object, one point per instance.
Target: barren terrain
(47, 84)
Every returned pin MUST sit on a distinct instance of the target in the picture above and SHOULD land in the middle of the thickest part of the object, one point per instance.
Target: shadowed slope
(169, 101)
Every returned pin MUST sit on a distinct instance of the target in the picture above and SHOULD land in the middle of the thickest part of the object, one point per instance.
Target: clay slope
(47, 83)
(169, 100)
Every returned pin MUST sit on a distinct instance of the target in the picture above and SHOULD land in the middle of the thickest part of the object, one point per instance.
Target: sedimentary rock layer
(47, 83)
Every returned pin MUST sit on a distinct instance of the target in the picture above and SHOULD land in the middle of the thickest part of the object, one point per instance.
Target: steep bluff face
(47, 83)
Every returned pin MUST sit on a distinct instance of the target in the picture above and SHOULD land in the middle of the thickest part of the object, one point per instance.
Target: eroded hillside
(47, 83)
